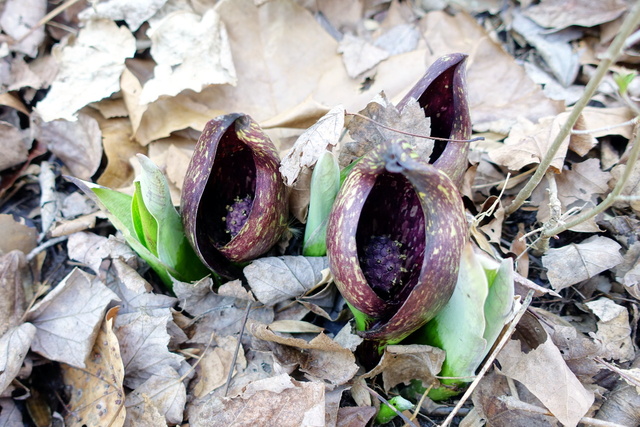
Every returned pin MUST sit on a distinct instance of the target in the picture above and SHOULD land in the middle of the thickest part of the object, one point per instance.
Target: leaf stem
(610, 199)
(630, 23)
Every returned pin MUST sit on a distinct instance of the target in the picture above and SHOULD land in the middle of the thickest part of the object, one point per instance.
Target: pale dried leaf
(314, 141)
(14, 145)
(235, 289)
(355, 416)
(403, 363)
(144, 344)
(16, 235)
(182, 64)
(278, 401)
(606, 121)
(359, 56)
(90, 68)
(321, 357)
(529, 142)
(294, 327)
(14, 346)
(12, 280)
(91, 249)
(215, 364)
(628, 272)
(134, 13)
(545, 374)
(574, 263)
(19, 17)
(10, 414)
(164, 390)
(78, 143)
(399, 39)
(68, 318)
(631, 188)
(145, 414)
(276, 279)
(614, 331)
(118, 148)
(368, 135)
(586, 13)
(97, 394)
(584, 182)
(347, 339)
(134, 292)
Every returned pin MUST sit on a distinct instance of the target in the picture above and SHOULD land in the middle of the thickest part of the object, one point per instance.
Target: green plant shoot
(150, 224)
(325, 183)
(386, 414)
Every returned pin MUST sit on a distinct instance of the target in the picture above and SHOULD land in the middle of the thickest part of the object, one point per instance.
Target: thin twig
(479, 138)
(386, 402)
(235, 353)
(35, 251)
(610, 199)
(605, 128)
(489, 362)
(48, 17)
(630, 23)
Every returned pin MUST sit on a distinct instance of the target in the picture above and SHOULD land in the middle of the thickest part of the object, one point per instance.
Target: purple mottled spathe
(234, 162)
(442, 94)
(391, 193)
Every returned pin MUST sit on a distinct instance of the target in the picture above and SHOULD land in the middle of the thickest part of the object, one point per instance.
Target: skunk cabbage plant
(442, 94)
(233, 200)
(394, 240)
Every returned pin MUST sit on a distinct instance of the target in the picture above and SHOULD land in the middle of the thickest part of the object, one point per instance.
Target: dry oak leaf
(631, 188)
(628, 272)
(164, 391)
(13, 277)
(320, 358)
(14, 346)
(276, 401)
(614, 331)
(276, 279)
(403, 363)
(215, 364)
(574, 263)
(14, 144)
(529, 142)
(144, 344)
(359, 56)
(545, 374)
(96, 392)
(68, 318)
(558, 14)
(90, 68)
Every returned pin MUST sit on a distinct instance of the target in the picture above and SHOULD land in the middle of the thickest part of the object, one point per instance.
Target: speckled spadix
(417, 208)
(233, 176)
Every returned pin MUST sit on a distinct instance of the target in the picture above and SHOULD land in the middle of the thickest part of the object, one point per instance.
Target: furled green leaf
(325, 183)
(386, 414)
(144, 223)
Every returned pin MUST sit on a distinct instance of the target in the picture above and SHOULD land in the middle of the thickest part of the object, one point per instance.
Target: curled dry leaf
(12, 280)
(321, 357)
(14, 146)
(164, 392)
(628, 272)
(133, 13)
(68, 318)
(277, 401)
(90, 68)
(97, 393)
(215, 364)
(14, 346)
(614, 331)
(545, 374)
(403, 363)
(277, 279)
(574, 263)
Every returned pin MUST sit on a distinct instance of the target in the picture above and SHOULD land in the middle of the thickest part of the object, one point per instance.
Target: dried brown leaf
(574, 263)
(90, 68)
(631, 188)
(19, 18)
(614, 331)
(359, 56)
(278, 401)
(276, 279)
(14, 144)
(545, 374)
(133, 13)
(214, 366)
(320, 358)
(628, 272)
(558, 14)
(355, 416)
(163, 392)
(97, 393)
(144, 344)
(91, 249)
(403, 363)
(12, 280)
(68, 318)
(14, 346)
(78, 143)
(320, 137)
